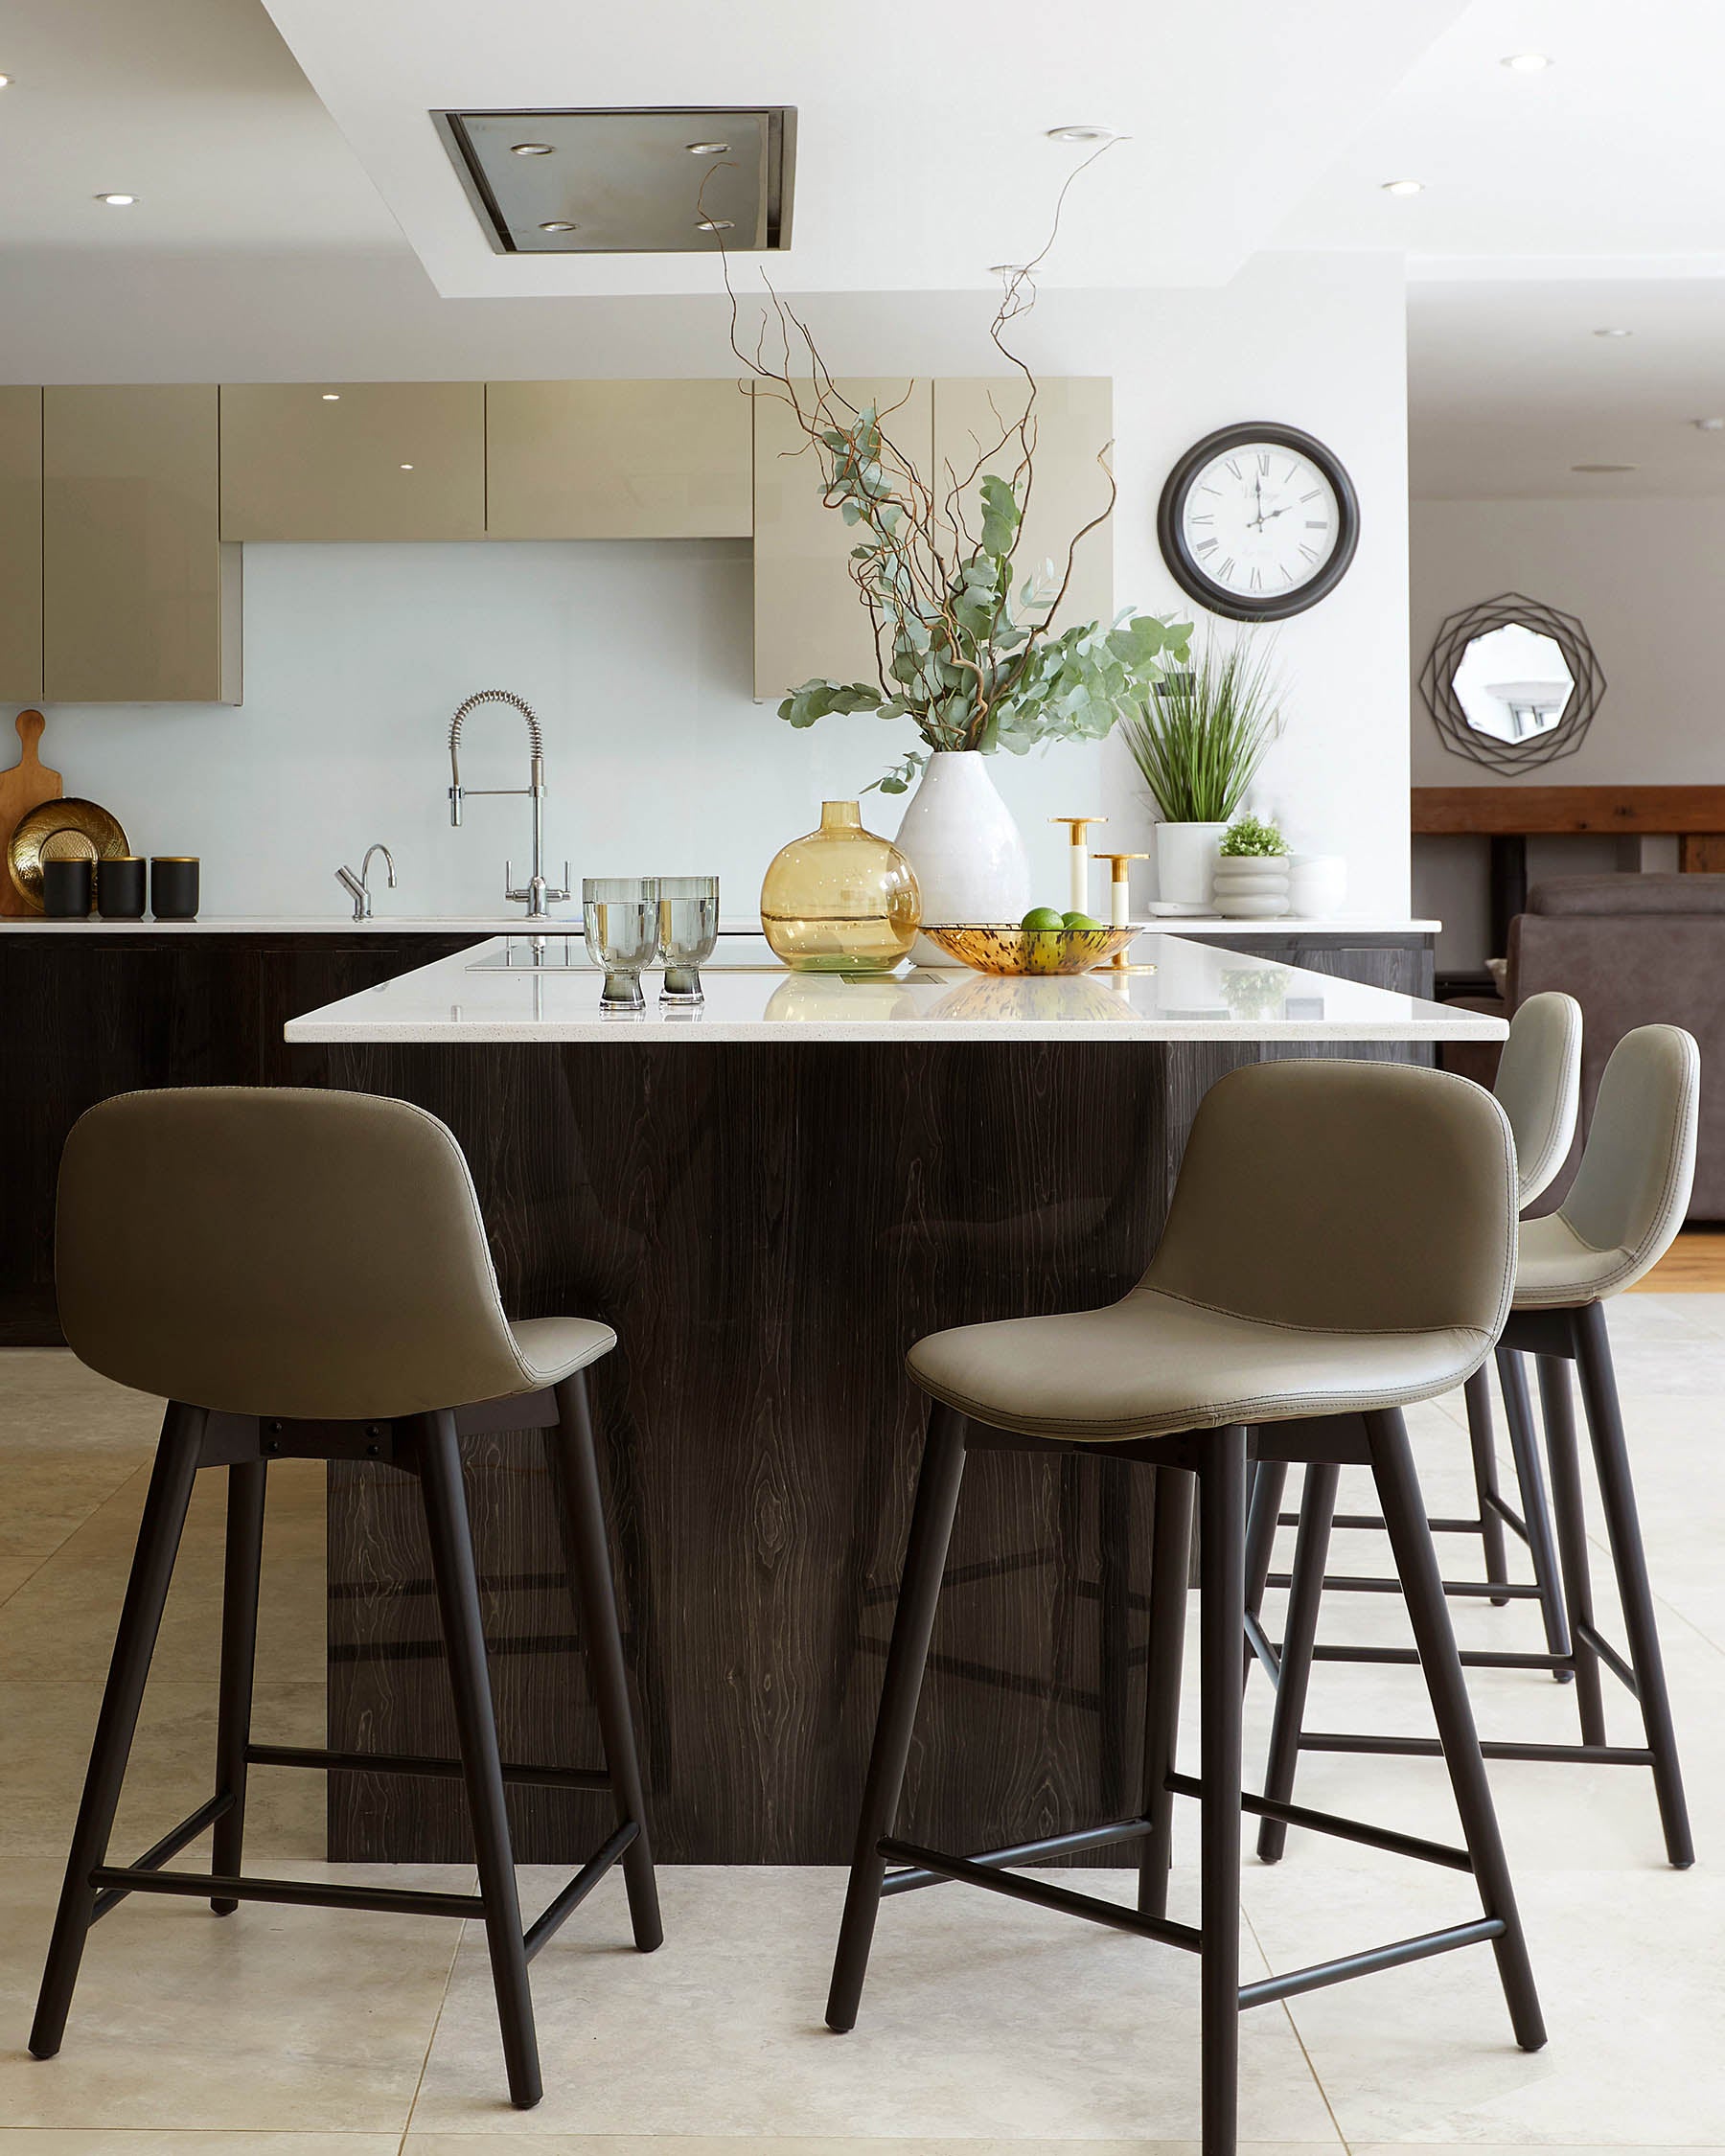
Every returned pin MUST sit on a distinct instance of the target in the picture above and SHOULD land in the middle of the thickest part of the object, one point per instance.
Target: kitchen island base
(769, 1228)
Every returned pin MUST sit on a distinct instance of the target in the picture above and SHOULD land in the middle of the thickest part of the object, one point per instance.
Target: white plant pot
(1250, 887)
(959, 836)
(1317, 884)
(1186, 862)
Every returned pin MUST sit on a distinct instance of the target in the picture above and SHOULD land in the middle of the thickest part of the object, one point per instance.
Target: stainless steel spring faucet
(537, 894)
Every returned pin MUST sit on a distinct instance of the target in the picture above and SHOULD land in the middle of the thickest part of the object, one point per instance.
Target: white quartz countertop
(1196, 993)
(513, 924)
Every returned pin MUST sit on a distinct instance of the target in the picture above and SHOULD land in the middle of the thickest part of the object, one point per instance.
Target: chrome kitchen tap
(358, 888)
(537, 894)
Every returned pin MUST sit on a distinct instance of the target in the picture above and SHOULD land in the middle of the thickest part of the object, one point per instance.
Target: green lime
(1080, 921)
(1042, 920)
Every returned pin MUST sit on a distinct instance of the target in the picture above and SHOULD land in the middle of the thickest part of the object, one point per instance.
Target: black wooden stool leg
(1268, 1480)
(117, 1723)
(238, 1660)
(588, 1551)
(1477, 1395)
(912, 1626)
(1629, 1559)
(1170, 1566)
(1300, 1635)
(452, 1570)
(1222, 1616)
(1535, 1503)
(1416, 1564)
(1568, 1505)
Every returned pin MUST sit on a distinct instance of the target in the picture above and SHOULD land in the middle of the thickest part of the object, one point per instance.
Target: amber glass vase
(841, 900)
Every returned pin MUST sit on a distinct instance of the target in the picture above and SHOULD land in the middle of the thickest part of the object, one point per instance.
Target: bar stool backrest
(1539, 1087)
(1346, 1197)
(1632, 1189)
(280, 1252)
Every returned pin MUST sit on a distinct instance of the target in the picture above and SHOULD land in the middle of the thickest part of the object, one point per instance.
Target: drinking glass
(688, 933)
(620, 915)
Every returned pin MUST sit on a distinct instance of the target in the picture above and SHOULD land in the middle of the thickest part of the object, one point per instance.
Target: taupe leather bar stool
(1621, 1216)
(1377, 1273)
(304, 1274)
(1539, 1089)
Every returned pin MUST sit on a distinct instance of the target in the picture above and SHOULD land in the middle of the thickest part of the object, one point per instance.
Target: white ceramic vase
(1185, 863)
(1317, 884)
(1250, 887)
(959, 836)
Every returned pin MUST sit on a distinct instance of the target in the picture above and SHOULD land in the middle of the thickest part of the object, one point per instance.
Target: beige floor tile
(863, 2144)
(981, 2019)
(1630, 1967)
(175, 2141)
(1549, 2148)
(273, 2018)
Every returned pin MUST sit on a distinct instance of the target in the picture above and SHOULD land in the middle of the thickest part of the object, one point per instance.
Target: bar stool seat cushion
(554, 1348)
(1154, 1363)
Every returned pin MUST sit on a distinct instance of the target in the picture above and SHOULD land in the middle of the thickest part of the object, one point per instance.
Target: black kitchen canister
(120, 889)
(173, 886)
(68, 889)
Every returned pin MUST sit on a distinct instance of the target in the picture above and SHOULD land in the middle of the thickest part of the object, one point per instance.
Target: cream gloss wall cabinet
(617, 460)
(371, 460)
(20, 545)
(141, 598)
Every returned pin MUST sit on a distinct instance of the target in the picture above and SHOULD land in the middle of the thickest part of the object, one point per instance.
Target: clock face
(1259, 522)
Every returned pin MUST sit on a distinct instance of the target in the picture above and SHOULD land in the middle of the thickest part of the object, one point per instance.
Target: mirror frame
(1437, 682)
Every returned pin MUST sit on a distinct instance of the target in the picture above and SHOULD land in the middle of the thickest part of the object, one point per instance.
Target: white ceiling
(195, 106)
(920, 124)
(1590, 196)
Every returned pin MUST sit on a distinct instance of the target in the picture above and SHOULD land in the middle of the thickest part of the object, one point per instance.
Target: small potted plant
(1198, 738)
(1251, 871)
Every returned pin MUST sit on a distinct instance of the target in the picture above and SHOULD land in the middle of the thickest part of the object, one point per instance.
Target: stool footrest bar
(1025, 1852)
(1370, 1523)
(314, 1894)
(1472, 1657)
(1334, 1823)
(1491, 1748)
(1394, 1957)
(1508, 1515)
(545, 1926)
(1350, 1583)
(170, 1845)
(414, 1763)
(1617, 1665)
(1266, 1649)
(1044, 1895)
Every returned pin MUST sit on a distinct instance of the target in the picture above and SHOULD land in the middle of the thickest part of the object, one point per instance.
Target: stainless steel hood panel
(628, 181)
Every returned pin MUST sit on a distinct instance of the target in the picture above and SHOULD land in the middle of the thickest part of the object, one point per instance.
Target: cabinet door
(809, 621)
(1074, 421)
(617, 460)
(20, 545)
(141, 601)
(343, 460)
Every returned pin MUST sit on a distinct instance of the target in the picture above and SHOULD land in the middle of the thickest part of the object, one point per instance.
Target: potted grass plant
(1198, 738)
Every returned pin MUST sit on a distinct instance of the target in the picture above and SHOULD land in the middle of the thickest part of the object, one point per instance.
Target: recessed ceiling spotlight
(332, 396)
(1083, 132)
(1604, 468)
(558, 225)
(1403, 187)
(530, 150)
(1613, 333)
(407, 468)
(1710, 426)
(118, 202)
(1527, 63)
(706, 149)
(715, 224)
(4, 80)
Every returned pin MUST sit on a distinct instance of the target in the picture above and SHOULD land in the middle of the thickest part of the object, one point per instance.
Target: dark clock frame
(1215, 598)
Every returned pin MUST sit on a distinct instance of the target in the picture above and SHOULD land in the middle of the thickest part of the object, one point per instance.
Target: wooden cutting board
(25, 787)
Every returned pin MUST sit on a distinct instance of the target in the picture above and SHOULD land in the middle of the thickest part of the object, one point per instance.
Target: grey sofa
(1633, 950)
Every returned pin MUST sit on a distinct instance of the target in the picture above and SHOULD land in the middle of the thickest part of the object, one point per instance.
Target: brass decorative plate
(999, 946)
(69, 830)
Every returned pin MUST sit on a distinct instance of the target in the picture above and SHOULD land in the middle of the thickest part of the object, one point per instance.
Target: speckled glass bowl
(1000, 947)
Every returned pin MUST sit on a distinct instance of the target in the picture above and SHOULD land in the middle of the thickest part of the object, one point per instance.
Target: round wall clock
(1258, 521)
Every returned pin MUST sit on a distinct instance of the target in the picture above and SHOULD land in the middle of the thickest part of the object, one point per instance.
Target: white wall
(1644, 578)
(636, 656)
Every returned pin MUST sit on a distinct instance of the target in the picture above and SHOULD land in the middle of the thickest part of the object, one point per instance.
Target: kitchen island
(771, 1199)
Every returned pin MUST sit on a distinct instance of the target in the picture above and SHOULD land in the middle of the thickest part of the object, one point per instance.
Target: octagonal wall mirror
(1512, 682)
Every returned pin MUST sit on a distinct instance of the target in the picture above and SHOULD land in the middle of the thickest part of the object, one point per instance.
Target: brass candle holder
(1119, 899)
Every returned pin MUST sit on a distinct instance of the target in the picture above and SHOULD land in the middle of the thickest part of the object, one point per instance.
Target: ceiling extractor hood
(653, 180)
